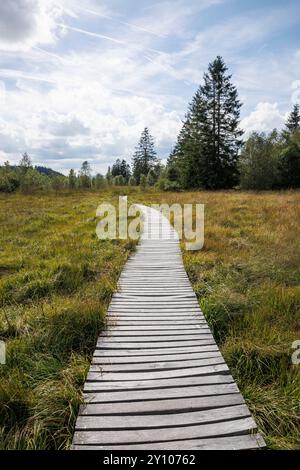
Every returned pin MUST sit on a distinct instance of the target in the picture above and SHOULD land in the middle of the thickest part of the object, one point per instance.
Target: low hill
(48, 171)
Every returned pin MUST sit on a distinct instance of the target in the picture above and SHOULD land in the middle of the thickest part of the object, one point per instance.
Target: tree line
(210, 152)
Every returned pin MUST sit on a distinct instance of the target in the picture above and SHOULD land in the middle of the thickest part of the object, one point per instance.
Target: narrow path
(158, 379)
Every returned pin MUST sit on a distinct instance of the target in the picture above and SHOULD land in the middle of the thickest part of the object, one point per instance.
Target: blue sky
(81, 79)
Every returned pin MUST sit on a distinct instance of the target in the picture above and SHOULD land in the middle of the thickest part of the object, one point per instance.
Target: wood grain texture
(157, 378)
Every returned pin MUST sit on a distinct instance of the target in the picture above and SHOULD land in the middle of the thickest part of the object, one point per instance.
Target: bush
(259, 161)
(164, 184)
(9, 180)
(289, 166)
(59, 182)
(132, 181)
(32, 181)
(119, 180)
(99, 181)
(151, 177)
(143, 182)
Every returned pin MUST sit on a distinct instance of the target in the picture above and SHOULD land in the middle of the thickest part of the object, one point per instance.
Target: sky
(80, 79)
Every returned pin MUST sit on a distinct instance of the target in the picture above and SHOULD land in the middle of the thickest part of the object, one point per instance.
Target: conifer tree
(108, 175)
(293, 122)
(144, 158)
(72, 179)
(121, 167)
(85, 175)
(208, 145)
(25, 163)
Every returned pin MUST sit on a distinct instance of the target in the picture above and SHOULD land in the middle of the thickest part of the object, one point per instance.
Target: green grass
(247, 281)
(56, 280)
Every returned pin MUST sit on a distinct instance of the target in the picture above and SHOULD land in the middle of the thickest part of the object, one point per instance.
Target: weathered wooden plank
(151, 333)
(153, 352)
(162, 406)
(157, 313)
(155, 338)
(116, 319)
(134, 329)
(205, 370)
(165, 324)
(135, 316)
(161, 383)
(161, 393)
(159, 365)
(101, 344)
(166, 420)
(98, 358)
(157, 377)
(242, 442)
(225, 428)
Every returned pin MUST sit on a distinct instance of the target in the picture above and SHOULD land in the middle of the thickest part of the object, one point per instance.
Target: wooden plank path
(157, 378)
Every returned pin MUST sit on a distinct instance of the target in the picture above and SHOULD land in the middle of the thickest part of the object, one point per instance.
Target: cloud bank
(80, 82)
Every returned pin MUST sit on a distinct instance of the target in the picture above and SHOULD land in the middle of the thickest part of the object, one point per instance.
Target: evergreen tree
(108, 175)
(25, 163)
(132, 181)
(289, 164)
(85, 175)
(121, 167)
(208, 145)
(293, 122)
(144, 158)
(72, 179)
(143, 181)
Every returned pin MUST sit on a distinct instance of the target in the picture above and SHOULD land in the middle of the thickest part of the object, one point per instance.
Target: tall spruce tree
(144, 158)
(208, 145)
(293, 122)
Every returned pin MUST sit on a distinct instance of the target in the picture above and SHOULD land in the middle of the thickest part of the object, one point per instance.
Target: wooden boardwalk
(158, 379)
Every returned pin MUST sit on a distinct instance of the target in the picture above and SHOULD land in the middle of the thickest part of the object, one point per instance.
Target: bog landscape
(143, 343)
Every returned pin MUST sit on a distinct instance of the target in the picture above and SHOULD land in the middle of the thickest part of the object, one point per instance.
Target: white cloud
(265, 118)
(26, 23)
(169, 18)
(89, 96)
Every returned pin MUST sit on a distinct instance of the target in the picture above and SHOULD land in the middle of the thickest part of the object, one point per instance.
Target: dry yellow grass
(247, 280)
(56, 279)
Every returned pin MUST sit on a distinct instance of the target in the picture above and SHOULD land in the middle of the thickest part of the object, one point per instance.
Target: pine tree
(290, 167)
(85, 175)
(25, 163)
(208, 145)
(121, 167)
(293, 122)
(72, 179)
(144, 158)
(108, 175)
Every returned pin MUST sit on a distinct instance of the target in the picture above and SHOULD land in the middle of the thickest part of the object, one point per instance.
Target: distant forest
(210, 152)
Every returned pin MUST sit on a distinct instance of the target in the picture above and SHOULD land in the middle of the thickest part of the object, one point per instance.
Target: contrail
(130, 25)
(89, 33)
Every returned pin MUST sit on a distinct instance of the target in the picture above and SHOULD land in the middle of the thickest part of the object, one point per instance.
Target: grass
(56, 280)
(247, 281)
